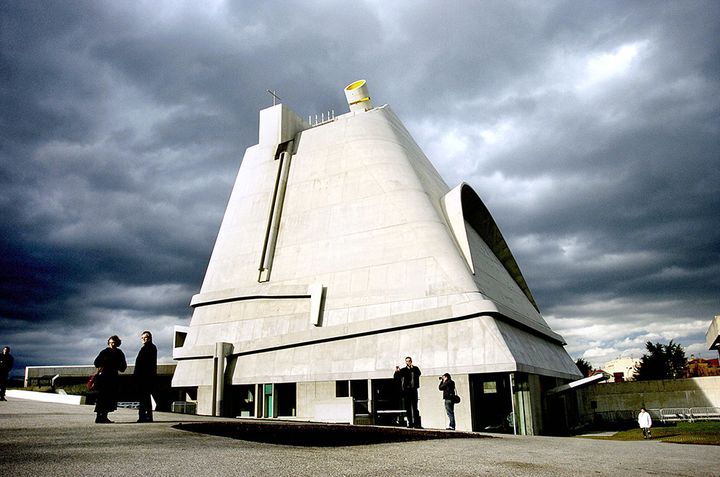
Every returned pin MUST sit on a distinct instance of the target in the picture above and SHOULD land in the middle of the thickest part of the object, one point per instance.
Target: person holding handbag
(447, 386)
(110, 362)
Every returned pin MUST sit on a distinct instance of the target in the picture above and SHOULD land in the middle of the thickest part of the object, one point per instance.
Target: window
(359, 389)
(342, 388)
(489, 387)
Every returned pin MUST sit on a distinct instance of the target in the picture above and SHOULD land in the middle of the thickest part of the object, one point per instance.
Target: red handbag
(93, 380)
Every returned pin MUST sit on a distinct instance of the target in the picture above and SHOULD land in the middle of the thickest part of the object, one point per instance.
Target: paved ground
(45, 439)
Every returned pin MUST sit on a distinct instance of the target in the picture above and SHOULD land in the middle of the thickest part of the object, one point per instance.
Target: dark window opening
(180, 339)
(342, 389)
(359, 389)
(286, 399)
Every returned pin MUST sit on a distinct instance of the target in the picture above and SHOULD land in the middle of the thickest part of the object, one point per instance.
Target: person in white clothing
(645, 422)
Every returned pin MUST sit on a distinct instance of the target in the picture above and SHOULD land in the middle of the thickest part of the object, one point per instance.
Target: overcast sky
(590, 130)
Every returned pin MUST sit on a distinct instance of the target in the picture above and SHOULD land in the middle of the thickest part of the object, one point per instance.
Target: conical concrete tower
(341, 252)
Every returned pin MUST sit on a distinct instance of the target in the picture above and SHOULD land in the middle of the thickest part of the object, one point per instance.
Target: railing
(128, 404)
(323, 119)
(677, 414)
(705, 413)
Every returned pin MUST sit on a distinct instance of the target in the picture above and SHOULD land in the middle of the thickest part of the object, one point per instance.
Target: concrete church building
(341, 252)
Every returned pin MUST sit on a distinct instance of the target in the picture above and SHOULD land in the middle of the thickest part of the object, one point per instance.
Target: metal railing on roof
(323, 119)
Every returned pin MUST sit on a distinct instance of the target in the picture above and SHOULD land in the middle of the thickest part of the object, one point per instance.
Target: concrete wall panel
(632, 395)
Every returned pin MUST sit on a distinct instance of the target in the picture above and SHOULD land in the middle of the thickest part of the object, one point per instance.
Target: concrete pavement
(44, 439)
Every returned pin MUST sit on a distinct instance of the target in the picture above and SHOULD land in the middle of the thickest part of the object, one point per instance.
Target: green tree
(584, 367)
(661, 362)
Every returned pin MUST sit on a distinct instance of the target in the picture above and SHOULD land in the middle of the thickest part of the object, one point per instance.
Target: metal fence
(128, 404)
(628, 418)
(689, 414)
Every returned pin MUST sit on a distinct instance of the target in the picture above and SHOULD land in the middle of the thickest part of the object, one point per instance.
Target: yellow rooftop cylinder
(357, 96)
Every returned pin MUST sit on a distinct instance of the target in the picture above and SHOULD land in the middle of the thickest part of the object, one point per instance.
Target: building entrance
(491, 403)
(388, 408)
(240, 400)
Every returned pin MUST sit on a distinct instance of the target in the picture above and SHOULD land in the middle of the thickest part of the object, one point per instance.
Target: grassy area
(700, 432)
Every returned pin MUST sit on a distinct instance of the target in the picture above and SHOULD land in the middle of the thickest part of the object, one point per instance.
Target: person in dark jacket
(409, 380)
(109, 362)
(6, 364)
(447, 386)
(145, 374)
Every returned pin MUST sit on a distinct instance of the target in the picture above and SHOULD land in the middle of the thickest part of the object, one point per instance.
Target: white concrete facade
(712, 335)
(341, 252)
(623, 365)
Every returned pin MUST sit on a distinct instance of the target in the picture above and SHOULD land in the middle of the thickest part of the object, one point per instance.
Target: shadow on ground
(318, 434)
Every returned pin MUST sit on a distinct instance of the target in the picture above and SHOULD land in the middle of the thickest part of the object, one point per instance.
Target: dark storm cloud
(592, 134)
(590, 130)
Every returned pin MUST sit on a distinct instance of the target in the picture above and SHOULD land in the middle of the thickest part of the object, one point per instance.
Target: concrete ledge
(46, 397)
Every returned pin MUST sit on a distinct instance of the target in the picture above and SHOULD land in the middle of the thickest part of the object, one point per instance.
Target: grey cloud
(123, 124)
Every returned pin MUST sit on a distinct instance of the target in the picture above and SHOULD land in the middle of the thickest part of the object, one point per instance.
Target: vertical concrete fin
(273, 225)
(315, 291)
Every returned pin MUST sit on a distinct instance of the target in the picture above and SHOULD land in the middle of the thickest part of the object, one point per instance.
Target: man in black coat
(145, 375)
(409, 380)
(6, 364)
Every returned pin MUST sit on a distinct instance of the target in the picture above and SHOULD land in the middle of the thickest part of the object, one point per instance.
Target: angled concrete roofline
(463, 204)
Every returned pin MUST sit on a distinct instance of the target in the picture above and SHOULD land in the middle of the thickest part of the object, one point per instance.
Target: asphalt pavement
(47, 439)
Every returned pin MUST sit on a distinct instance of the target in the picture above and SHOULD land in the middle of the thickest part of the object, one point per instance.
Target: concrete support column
(222, 351)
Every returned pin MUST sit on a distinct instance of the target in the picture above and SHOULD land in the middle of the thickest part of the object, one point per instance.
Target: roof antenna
(275, 96)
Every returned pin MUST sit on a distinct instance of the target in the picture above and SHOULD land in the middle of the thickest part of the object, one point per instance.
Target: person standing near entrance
(447, 386)
(6, 364)
(409, 380)
(145, 375)
(645, 422)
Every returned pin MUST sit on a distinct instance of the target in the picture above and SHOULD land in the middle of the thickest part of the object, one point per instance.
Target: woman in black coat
(109, 362)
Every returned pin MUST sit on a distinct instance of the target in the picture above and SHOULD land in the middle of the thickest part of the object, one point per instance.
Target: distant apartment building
(621, 369)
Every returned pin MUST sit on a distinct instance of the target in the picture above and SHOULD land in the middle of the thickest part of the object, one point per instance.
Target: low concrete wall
(46, 397)
(334, 410)
(84, 371)
(632, 395)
